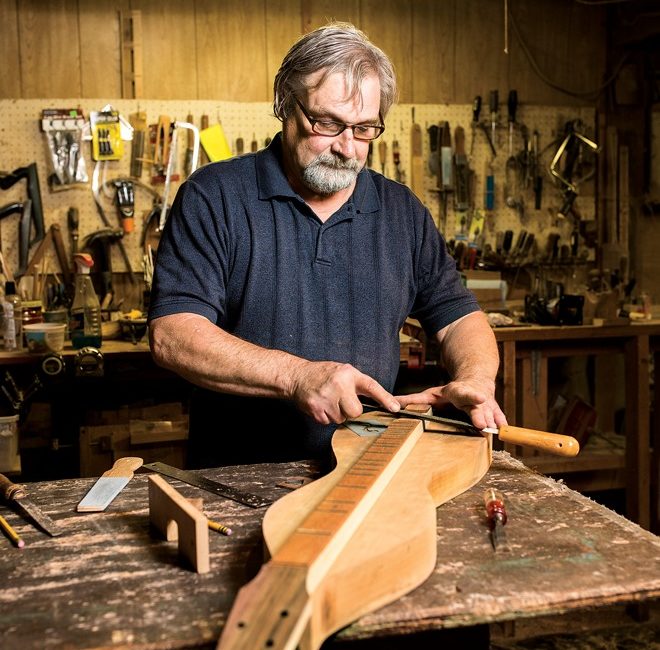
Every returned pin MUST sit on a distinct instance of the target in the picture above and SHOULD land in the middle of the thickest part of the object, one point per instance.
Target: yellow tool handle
(553, 443)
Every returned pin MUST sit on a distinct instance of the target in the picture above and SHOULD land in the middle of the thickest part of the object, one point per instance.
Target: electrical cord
(586, 94)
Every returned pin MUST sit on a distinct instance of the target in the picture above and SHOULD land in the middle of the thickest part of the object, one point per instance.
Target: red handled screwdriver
(496, 514)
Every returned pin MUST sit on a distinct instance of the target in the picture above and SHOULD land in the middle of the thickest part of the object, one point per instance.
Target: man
(283, 277)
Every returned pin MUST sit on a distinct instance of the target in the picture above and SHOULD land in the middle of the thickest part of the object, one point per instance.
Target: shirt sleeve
(192, 257)
(442, 296)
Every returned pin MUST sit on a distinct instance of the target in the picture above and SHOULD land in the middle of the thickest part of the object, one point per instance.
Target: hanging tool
(32, 218)
(536, 172)
(139, 123)
(96, 193)
(240, 146)
(97, 244)
(571, 146)
(497, 517)
(382, 155)
(190, 149)
(434, 149)
(416, 159)
(494, 108)
(254, 145)
(220, 489)
(446, 175)
(512, 105)
(396, 160)
(476, 112)
(462, 172)
(169, 177)
(72, 221)
(125, 199)
(489, 194)
(17, 496)
(162, 143)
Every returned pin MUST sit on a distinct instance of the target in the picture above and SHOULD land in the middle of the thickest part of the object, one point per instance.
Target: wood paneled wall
(445, 51)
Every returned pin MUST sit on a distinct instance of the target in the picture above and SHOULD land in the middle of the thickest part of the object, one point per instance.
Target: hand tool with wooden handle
(17, 495)
(553, 443)
(496, 514)
(462, 171)
(109, 485)
(494, 108)
(417, 162)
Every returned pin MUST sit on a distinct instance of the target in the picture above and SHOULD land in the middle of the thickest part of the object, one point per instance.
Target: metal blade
(102, 493)
(430, 418)
(38, 516)
(246, 498)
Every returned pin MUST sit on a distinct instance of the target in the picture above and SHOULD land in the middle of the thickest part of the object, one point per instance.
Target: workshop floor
(612, 628)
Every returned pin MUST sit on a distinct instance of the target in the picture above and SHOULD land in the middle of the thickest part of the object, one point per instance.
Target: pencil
(214, 525)
(11, 533)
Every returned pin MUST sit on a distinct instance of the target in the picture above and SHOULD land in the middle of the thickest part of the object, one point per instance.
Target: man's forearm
(207, 356)
(469, 349)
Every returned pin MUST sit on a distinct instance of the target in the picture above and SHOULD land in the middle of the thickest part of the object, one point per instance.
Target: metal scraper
(109, 485)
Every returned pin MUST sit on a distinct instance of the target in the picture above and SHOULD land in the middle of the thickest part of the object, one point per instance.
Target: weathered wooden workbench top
(109, 582)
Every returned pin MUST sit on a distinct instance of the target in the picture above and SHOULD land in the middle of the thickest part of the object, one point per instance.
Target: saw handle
(553, 443)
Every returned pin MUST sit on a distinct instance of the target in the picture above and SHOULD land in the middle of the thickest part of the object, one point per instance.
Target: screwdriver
(494, 107)
(513, 107)
(496, 513)
(476, 111)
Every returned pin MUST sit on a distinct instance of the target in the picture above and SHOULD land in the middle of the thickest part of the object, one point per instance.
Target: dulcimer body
(356, 539)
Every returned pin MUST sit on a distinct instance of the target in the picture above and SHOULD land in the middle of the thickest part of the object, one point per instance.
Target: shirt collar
(272, 180)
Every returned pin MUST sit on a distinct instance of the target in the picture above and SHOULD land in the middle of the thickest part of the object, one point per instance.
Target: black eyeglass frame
(342, 126)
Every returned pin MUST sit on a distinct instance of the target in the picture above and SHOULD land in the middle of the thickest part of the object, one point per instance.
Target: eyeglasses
(328, 127)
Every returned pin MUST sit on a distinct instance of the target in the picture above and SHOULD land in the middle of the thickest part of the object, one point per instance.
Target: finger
(371, 388)
(350, 407)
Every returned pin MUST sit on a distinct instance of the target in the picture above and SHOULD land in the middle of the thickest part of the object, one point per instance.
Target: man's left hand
(471, 396)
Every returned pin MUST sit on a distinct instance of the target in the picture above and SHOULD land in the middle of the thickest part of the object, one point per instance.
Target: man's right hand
(330, 392)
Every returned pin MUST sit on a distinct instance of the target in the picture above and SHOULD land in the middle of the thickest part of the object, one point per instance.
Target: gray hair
(335, 47)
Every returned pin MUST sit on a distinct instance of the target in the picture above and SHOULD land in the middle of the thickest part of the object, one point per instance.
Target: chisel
(17, 495)
(417, 160)
(494, 107)
(496, 513)
(553, 443)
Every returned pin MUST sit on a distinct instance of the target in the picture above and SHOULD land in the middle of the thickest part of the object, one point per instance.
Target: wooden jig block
(179, 520)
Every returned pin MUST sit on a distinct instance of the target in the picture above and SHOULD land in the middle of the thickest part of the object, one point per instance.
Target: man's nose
(345, 143)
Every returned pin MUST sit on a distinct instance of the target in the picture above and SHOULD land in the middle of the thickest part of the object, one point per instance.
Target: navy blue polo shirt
(242, 249)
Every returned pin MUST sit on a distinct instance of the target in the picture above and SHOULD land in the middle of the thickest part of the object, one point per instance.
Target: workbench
(110, 581)
(524, 382)
(525, 352)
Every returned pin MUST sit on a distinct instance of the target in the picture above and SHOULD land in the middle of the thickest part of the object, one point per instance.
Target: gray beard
(328, 174)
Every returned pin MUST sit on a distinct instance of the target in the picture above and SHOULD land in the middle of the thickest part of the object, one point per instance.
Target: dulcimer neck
(272, 611)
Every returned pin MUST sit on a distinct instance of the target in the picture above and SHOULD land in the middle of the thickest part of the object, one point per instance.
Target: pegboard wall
(23, 142)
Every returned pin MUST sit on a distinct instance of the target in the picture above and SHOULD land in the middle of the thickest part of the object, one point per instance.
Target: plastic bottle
(85, 320)
(12, 318)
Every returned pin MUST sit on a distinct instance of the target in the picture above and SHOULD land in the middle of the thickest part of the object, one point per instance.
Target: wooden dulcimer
(356, 539)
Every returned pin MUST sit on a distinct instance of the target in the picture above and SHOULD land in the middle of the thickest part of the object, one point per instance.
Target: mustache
(336, 162)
